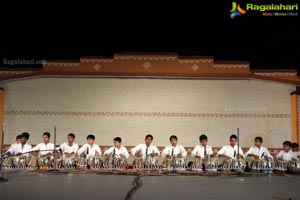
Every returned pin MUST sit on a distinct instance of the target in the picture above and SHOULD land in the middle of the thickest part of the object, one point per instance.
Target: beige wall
(256, 107)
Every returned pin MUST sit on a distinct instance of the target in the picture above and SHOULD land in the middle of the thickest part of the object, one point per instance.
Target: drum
(294, 166)
(68, 162)
(116, 162)
(8, 162)
(95, 162)
(211, 164)
(150, 162)
(138, 163)
(175, 162)
(231, 164)
(81, 161)
(197, 163)
(20, 161)
(47, 161)
(281, 165)
(33, 161)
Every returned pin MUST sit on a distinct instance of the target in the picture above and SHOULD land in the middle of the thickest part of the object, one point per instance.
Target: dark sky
(48, 31)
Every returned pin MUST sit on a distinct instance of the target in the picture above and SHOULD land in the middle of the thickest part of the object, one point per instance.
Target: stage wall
(131, 108)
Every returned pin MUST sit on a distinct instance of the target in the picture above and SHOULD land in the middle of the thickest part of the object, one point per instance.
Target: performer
(258, 151)
(90, 153)
(45, 149)
(12, 151)
(69, 150)
(228, 154)
(174, 154)
(296, 152)
(286, 154)
(203, 149)
(258, 154)
(116, 155)
(145, 153)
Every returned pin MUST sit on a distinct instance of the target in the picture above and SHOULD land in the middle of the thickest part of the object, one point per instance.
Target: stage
(148, 186)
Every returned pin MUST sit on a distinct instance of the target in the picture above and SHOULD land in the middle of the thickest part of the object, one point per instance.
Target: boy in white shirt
(90, 151)
(286, 154)
(296, 152)
(143, 151)
(258, 151)
(229, 153)
(12, 151)
(69, 150)
(117, 154)
(203, 149)
(45, 151)
(174, 151)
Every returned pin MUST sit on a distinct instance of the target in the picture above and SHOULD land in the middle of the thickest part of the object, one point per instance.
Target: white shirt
(286, 156)
(17, 148)
(142, 148)
(259, 152)
(65, 148)
(170, 150)
(121, 150)
(89, 150)
(199, 151)
(228, 150)
(296, 155)
(43, 148)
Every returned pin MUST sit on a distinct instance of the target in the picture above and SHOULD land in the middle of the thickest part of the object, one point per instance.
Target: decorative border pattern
(148, 114)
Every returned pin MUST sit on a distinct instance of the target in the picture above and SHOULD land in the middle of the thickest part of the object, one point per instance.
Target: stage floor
(50, 186)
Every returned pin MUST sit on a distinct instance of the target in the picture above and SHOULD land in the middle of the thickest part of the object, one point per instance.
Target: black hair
(150, 136)
(90, 137)
(202, 137)
(295, 145)
(117, 139)
(287, 143)
(233, 137)
(71, 135)
(25, 135)
(18, 137)
(173, 137)
(258, 138)
(47, 134)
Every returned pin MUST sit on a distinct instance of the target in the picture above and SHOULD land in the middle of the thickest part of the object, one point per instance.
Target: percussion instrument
(150, 162)
(197, 164)
(47, 161)
(68, 162)
(281, 165)
(20, 161)
(294, 166)
(175, 163)
(211, 164)
(95, 162)
(8, 162)
(116, 162)
(231, 164)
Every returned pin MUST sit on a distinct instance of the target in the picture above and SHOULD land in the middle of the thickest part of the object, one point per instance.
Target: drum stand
(2, 179)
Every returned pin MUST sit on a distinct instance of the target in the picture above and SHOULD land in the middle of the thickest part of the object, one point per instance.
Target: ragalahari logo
(236, 10)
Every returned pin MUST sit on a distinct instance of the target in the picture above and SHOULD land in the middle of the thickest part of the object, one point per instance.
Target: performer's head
(148, 139)
(90, 139)
(258, 141)
(18, 139)
(295, 147)
(46, 137)
(71, 138)
(173, 140)
(24, 137)
(117, 142)
(233, 140)
(203, 140)
(286, 146)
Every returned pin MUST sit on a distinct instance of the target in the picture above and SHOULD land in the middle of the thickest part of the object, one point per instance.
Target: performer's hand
(122, 155)
(19, 154)
(179, 155)
(168, 156)
(256, 157)
(106, 156)
(197, 157)
(228, 157)
(138, 155)
(97, 153)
